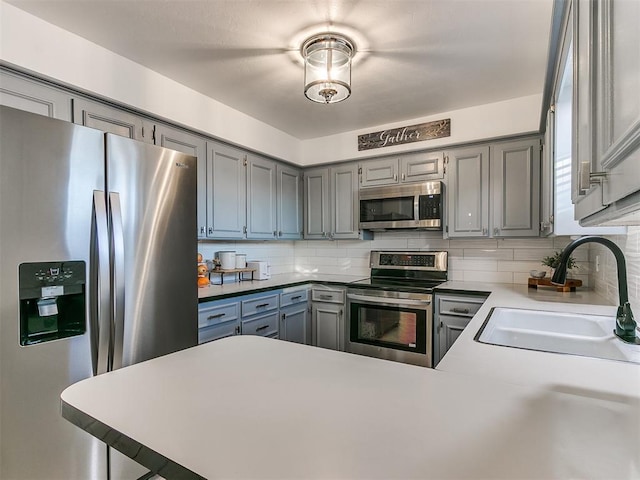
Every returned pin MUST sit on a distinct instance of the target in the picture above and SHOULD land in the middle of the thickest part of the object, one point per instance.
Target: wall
(605, 277)
(501, 261)
(46, 50)
(510, 117)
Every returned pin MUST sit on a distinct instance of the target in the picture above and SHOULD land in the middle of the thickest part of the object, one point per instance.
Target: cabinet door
(344, 201)
(261, 198)
(289, 199)
(225, 191)
(515, 177)
(618, 109)
(193, 145)
(316, 204)
(327, 326)
(449, 329)
(24, 94)
(293, 323)
(111, 120)
(379, 172)
(420, 167)
(468, 192)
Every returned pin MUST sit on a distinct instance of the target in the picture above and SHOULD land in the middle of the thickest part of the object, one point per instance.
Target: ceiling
(415, 57)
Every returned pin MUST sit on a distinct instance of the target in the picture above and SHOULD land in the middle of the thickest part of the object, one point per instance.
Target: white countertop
(251, 407)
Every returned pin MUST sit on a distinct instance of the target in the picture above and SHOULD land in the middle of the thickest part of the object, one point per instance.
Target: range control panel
(409, 260)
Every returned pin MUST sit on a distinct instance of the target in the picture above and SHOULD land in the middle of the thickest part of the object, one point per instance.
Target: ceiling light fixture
(327, 67)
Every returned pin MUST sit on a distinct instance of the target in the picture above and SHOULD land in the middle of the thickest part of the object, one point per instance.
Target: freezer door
(49, 170)
(152, 209)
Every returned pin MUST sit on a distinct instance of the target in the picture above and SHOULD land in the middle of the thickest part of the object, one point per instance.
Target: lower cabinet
(260, 314)
(295, 322)
(327, 318)
(452, 313)
(218, 319)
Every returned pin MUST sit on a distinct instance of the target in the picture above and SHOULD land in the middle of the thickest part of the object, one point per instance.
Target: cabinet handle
(404, 177)
(296, 297)
(262, 305)
(262, 328)
(210, 229)
(237, 331)
(324, 234)
(202, 230)
(340, 313)
(275, 233)
(326, 297)
(395, 176)
(484, 231)
(440, 326)
(211, 317)
(496, 231)
(284, 316)
(460, 310)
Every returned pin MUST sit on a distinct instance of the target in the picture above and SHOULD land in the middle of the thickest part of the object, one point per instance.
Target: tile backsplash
(478, 260)
(604, 272)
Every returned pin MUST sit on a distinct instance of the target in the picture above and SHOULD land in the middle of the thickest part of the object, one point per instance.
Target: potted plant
(552, 261)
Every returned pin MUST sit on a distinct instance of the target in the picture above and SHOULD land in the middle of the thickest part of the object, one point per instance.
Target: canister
(241, 260)
(227, 260)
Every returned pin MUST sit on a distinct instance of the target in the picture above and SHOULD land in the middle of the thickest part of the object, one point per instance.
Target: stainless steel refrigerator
(97, 253)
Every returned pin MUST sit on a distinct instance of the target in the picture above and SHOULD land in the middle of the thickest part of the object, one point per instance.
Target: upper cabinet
(494, 190)
(606, 127)
(331, 203)
(261, 198)
(289, 202)
(413, 167)
(226, 191)
(190, 144)
(111, 120)
(35, 97)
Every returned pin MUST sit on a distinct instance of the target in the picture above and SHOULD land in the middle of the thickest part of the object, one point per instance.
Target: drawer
(291, 298)
(259, 305)
(215, 332)
(264, 325)
(215, 314)
(459, 307)
(330, 296)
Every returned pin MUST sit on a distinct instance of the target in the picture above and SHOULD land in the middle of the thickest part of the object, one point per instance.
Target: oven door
(391, 325)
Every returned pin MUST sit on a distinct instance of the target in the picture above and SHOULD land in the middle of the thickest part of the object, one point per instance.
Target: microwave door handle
(388, 301)
(416, 208)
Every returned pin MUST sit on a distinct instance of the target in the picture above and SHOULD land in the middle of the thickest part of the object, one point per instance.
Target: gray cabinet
(260, 314)
(35, 97)
(327, 318)
(218, 319)
(606, 129)
(515, 187)
(468, 192)
(452, 313)
(226, 191)
(295, 324)
(494, 191)
(111, 120)
(261, 198)
(185, 142)
(412, 167)
(331, 203)
(289, 202)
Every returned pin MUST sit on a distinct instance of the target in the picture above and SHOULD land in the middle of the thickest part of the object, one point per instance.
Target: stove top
(406, 271)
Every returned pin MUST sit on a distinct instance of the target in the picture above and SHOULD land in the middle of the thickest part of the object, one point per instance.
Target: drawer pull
(326, 297)
(262, 328)
(211, 317)
(262, 305)
(460, 310)
(297, 297)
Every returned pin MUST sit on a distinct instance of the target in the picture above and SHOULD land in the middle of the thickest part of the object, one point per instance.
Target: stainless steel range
(390, 313)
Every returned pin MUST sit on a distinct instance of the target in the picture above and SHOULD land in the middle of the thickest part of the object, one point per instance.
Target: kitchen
(501, 260)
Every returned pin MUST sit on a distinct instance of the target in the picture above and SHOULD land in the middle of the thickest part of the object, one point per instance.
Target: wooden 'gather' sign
(398, 136)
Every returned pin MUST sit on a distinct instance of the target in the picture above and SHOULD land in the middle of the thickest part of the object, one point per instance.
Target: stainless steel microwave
(416, 206)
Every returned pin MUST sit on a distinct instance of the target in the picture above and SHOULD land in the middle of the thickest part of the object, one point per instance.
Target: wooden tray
(569, 286)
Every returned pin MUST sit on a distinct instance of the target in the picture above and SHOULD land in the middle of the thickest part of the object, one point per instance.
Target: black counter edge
(141, 454)
(295, 283)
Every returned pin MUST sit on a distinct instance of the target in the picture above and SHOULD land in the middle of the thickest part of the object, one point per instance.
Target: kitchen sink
(570, 333)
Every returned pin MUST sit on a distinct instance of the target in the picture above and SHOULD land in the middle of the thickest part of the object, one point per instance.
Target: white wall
(31, 44)
(46, 50)
(510, 117)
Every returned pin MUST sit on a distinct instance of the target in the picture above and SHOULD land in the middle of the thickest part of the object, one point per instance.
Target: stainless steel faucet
(625, 324)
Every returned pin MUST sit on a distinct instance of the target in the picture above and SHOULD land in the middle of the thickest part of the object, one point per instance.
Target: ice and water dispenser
(52, 300)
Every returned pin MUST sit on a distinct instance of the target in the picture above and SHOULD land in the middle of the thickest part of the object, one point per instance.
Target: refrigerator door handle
(117, 250)
(99, 294)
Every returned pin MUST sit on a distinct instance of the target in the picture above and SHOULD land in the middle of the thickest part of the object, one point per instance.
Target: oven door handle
(388, 301)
